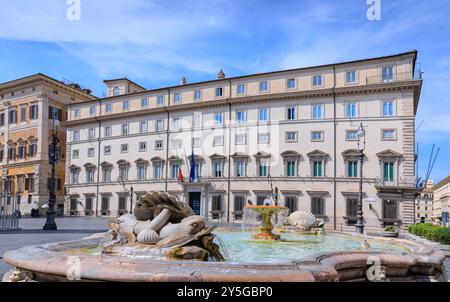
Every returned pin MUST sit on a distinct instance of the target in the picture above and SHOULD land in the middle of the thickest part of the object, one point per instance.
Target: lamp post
(50, 224)
(361, 146)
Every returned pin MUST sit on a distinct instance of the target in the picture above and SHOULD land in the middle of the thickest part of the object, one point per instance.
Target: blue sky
(156, 42)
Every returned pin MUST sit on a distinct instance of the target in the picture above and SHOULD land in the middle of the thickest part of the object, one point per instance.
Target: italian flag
(180, 173)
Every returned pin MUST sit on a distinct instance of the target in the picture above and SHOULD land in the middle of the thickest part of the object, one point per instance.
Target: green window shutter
(386, 172)
(391, 169)
(355, 169)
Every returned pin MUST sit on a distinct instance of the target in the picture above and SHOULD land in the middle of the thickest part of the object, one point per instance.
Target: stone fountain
(267, 214)
(164, 241)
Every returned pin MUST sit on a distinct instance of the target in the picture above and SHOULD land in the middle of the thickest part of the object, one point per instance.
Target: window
(239, 203)
(159, 145)
(218, 118)
(13, 116)
(219, 92)
(157, 171)
(123, 172)
(75, 153)
(388, 73)
(317, 80)
(196, 142)
(263, 114)
(317, 136)
(196, 120)
(352, 207)
(350, 77)
(388, 108)
(116, 91)
(240, 168)
(176, 143)
(177, 97)
(89, 174)
(91, 133)
(143, 127)
(352, 168)
(106, 173)
(107, 150)
(2, 119)
(291, 83)
(351, 135)
(23, 114)
(197, 95)
(218, 169)
(76, 113)
(144, 102)
(350, 110)
(241, 116)
(174, 170)
(126, 105)
(176, 123)
(88, 205)
(122, 203)
(291, 113)
(22, 152)
(388, 171)
(317, 111)
(263, 138)
(317, 168)
(92, 110)
(389, 210)
(388, 134)
(263, 86)
(124, 148)
(218, 141)
(241, 139)
(216, 205)
(33, 150)
(291, 203)
(108, 108)
(142, 146)
(53, 113)
(74, 176)
(291, 137)
(12, 153)
(141, 171)
(263, 168)
(291, 166)
(124, 129)
(160, 100)
(107, 131)
(159, 125)
(240, 89)
(34, 113)
(76, 135)
(318, 206)
(2, 154)
(91, 152)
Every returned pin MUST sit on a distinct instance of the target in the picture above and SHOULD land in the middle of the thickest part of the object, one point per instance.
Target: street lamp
(50, 223)
(361, 134)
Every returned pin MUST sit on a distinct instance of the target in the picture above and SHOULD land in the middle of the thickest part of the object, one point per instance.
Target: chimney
(183, 81)
(220, 74)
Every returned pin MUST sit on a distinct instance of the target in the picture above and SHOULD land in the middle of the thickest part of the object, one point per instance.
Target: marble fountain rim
(48, 260)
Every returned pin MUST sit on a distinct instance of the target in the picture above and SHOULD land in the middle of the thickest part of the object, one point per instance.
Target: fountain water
(267, 217)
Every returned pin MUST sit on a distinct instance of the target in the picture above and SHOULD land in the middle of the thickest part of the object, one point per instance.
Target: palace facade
(293, 129)
(27, 108)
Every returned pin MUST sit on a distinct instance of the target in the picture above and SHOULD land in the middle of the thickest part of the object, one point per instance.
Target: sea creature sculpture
(161, 222)
(304, 220)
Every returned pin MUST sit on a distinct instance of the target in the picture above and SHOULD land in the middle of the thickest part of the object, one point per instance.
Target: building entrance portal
(194, 202)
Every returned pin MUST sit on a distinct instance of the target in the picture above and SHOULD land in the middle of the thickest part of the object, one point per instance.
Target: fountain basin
(404, 260)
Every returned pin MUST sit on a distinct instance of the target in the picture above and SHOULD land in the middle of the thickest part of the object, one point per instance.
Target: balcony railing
(396, 77)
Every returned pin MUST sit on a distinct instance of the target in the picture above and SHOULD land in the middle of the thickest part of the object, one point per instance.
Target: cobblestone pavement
(32, 234)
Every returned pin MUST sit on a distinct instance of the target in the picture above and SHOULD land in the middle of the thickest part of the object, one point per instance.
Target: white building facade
(294, 128)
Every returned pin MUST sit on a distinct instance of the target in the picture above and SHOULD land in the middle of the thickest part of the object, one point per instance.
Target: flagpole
(187, 164)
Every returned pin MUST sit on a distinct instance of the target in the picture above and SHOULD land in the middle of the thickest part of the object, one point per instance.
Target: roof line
(37, 75)
(126, 79)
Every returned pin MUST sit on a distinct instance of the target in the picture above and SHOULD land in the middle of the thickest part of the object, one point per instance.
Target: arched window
(116, 91)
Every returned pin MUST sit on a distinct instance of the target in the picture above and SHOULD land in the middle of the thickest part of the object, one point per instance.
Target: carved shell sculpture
(148, 236)
(303, 219)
